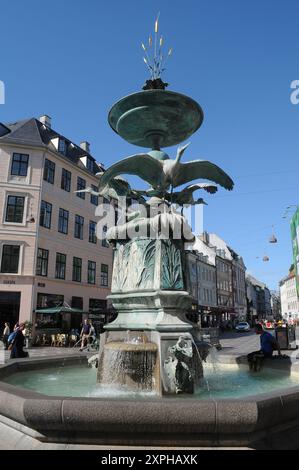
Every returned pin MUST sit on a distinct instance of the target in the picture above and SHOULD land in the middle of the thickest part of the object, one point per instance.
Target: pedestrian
(85, 334)
(16, 343)
(92, 330)
(268, 345)
(6, 333)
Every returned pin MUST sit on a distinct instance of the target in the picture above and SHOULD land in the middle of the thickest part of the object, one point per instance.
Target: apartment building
(202, 284)
(49, 252)
(239, 285)
(289, 297)
(258, 300)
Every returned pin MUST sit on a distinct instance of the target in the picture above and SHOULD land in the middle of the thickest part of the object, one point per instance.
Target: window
(49, 171)
(97, 304)
(42, 262)
(15, 209)
(60, 266)
(105, 243)
(94, 199)
(66, 177)
(91, 272)
(81, 184)
(10, 259)
(104, 275)
(62, 146)
(45, 214)
(92, 232)
(49, 300)
(79, 224)
(19, 164)
(63, 221)
(77, 302)
(77, 269)
(89, 164)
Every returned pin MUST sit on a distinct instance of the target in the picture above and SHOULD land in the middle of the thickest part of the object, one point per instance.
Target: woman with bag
(17, 343)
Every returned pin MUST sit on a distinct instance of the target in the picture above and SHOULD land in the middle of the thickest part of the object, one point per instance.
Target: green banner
(295, 243)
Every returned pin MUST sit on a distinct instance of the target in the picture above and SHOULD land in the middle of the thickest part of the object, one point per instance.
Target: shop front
(9, 308)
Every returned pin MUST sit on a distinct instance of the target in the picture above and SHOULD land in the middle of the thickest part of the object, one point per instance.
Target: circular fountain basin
(60, 402)
(130, 347)
(227, 381)
(155, 118)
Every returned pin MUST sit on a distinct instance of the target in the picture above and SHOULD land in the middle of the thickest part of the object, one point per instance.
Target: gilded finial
(155, 59)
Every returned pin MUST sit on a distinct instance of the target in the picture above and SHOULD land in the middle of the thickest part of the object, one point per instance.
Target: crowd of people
(14, 340)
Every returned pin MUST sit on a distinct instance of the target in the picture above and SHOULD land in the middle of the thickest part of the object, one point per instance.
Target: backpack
(11, 337)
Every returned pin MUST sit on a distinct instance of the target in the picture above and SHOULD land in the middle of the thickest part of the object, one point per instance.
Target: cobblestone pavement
(236, 344)
(239, 343)
(233, 344)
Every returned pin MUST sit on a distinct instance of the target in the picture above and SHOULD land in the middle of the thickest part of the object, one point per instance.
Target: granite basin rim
(230, 421)
(130, 347)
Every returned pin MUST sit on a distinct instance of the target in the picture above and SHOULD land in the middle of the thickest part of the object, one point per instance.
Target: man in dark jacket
(268, 345)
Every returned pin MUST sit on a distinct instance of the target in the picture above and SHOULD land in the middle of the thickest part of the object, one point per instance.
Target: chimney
(85, 146)
(205, 237)
(46, 120)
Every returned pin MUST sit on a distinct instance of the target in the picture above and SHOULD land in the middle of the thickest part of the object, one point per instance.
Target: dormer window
(62, 146)
(3, 130)
(88, 162)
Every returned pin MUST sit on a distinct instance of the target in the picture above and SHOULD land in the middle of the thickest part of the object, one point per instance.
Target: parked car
(243, 326)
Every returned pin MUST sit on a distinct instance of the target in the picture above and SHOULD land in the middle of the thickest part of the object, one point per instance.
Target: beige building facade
(289, 298)
(49, 253)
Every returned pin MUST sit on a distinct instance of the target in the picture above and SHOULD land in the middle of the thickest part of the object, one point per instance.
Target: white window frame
(26, 197)
(21, 256)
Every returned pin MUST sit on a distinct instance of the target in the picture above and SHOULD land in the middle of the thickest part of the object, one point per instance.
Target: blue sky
(74, 59)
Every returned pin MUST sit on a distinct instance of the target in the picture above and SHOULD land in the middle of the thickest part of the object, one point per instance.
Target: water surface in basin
(220, 381)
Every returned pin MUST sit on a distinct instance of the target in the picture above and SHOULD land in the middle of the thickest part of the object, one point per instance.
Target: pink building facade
(49, 253)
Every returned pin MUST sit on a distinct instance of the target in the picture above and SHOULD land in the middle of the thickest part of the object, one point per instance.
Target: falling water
(201, 360)
(132, 363)
(213, 360)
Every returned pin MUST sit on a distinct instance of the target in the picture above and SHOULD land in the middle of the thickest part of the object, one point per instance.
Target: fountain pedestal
(148, 285)
(149, 294)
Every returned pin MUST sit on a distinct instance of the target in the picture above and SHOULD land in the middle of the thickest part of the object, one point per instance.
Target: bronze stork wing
(202, 169)
(210, 188)
(121, 186)
(143, 165)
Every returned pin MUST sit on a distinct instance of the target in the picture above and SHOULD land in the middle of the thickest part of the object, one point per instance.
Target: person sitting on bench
(268, 345)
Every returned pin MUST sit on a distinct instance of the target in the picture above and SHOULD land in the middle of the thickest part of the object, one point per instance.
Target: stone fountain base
(32, 420)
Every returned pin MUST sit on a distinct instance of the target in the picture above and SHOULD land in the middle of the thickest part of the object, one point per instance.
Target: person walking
(6, 333)
(17, 343)
(85, 333)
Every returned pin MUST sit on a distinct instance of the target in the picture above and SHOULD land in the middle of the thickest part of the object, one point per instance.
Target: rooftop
(35, 133)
